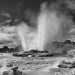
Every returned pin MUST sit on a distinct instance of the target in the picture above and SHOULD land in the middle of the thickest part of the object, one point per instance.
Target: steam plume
(50, 26)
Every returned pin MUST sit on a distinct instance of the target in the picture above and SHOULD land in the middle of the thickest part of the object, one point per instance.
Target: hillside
(60, 47)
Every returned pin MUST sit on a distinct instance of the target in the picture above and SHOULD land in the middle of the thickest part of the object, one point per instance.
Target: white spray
(47, 28)
(22, 31)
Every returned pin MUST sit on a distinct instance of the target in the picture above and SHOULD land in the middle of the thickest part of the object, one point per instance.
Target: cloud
(8, 29)
(8, 35)
(6, 14)
(4, 36)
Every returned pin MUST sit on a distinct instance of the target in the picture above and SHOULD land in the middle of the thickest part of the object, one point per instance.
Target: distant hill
(61, 47)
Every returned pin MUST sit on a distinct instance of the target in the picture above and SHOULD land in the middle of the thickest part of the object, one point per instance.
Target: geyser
(22, 31)
(26, 35)
(22, 38)
(51, 24)
(47, 27)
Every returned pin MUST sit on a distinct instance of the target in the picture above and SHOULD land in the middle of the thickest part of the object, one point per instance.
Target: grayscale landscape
(37, 37)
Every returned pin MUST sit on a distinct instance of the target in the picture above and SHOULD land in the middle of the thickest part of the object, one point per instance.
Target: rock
(10, 64)
(67, 65)
(16, 71)
(10, 72)
(71, 53)
(5, 73)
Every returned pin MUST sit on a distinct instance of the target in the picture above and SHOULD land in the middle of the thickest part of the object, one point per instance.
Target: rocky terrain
(59, 58)
(36, 62)
(12, 65)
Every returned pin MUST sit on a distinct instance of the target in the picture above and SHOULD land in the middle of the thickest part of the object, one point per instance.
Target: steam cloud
(51, 24)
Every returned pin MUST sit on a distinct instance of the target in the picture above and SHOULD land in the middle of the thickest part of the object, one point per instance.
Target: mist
(51, 24)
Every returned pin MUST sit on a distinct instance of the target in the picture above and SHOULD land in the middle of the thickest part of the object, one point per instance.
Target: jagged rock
(71, 53)
(67, 64)
(10, 64)
(20, 54)
(10, 72)
(5, 73)
(16, 71)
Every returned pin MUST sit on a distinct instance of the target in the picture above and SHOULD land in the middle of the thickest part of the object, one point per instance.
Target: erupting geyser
(22, 31)
(22, 38)
(47, 28)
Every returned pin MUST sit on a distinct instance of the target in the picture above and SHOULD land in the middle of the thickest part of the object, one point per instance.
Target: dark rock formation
(20, 54)
(16, 71)
(64, 64)
(6, 73)
(6, 49)
(67, 42)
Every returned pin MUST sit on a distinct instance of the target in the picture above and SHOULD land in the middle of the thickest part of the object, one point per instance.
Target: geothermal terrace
(11, 65)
